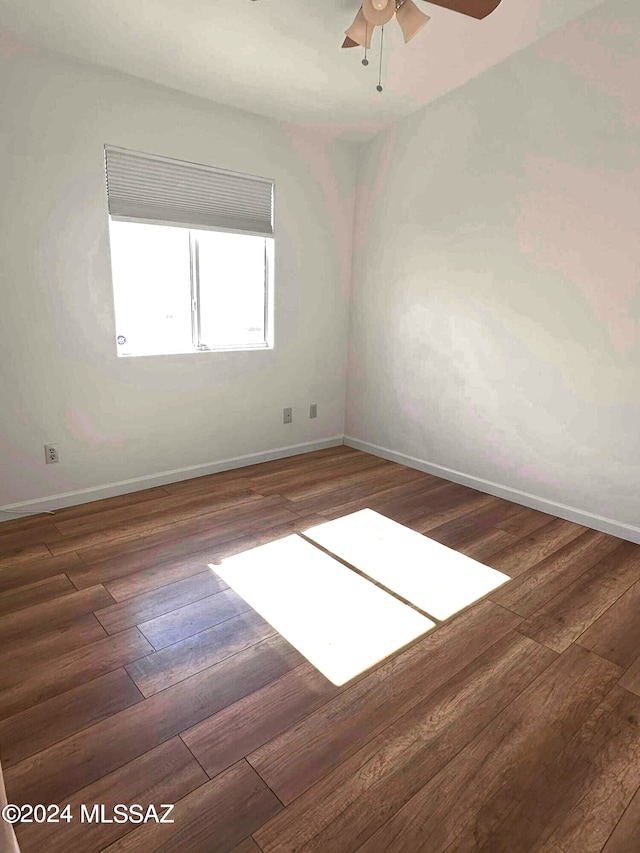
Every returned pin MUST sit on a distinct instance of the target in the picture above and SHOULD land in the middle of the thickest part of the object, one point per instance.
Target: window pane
(232, 289)
(152, 288)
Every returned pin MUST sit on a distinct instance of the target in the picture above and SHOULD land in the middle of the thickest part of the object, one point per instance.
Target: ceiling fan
(377, 13)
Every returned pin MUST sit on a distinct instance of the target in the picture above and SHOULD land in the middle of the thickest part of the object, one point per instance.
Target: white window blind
(149, 188)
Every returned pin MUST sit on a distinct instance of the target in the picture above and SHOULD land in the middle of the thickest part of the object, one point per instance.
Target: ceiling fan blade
(473, 8)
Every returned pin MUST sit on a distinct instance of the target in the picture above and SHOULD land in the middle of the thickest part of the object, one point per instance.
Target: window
(182, 290)
(191, 256)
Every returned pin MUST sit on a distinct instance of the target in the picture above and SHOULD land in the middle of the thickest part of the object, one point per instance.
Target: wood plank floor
(130, 673)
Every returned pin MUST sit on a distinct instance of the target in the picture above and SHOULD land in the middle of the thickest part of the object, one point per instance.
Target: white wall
(496, 305)
(496, 312)
(60, 379)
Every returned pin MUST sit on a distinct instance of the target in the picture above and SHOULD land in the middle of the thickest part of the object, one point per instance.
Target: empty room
(320, 469)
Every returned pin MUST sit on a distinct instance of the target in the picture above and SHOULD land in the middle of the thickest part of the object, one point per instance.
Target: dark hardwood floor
(131, 673)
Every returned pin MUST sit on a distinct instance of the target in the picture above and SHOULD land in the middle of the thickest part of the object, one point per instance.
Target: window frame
(195, 306)
(152, 189)
(196, 316)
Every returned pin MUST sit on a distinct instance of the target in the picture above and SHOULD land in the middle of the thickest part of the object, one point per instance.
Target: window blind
(158, 189)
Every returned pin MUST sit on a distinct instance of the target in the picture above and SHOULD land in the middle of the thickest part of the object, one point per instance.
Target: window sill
(203, 350)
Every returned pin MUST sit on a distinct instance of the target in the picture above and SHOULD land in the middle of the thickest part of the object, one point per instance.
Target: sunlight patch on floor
(342, 623)
(431, 576)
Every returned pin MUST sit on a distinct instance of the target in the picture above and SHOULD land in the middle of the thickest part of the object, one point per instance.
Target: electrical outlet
(287, 416)
(51, 453)
(313, 410)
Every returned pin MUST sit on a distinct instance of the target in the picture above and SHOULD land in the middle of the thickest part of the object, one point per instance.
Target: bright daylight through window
(192, 251)
(340, 620)
(179, 290)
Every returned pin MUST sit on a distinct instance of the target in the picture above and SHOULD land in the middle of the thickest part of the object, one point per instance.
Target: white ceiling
(282, 58)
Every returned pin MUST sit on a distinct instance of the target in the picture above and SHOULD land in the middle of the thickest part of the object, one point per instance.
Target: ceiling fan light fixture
(378, 12)
(410, 18)
(360, 30)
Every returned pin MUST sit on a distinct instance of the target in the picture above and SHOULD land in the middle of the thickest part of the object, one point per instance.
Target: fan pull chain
(379, 86)
(365, 61)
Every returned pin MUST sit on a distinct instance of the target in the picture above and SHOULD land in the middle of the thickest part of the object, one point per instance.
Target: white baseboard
(596, 522)
(53, 502)
(122, 487)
